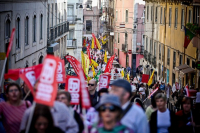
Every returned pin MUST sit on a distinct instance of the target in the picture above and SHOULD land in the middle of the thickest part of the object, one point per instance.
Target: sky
(140, 1)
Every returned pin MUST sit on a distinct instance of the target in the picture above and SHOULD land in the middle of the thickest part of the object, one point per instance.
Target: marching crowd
(119, 108)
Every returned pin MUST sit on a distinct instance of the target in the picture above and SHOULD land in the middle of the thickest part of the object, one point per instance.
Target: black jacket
(79, 121)
(153, 123)
(94, 99)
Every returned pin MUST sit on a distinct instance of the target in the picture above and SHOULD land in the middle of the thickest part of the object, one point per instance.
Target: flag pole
(30, 118)
(2, 73)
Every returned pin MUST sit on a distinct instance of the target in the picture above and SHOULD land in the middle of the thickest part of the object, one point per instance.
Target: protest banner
(109, 65)
(47, 86)
(145, 78)
(104, 81)
(61, 74)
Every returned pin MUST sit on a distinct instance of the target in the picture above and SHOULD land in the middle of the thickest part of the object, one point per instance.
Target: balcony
(71, 43)
(124, 48)
(145, 55)
(72, 19)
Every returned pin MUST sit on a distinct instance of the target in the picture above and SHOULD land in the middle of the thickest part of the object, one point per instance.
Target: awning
(184, 66)
(187, 70)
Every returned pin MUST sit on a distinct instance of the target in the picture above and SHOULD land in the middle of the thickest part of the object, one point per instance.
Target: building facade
(30, 40)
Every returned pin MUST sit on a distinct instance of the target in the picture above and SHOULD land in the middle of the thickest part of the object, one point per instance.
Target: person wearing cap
(110, 110)
(133, 116)
(92, 85)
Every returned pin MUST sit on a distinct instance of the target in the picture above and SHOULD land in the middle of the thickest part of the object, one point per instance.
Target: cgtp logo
(73, 85)
(31, 77)
(59, 70)
(104, 81)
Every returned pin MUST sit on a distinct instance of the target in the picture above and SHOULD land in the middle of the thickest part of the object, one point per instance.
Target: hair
(44, 111)
(66, 93)
(161, 95)
(12, 84)
(153, 102)
(185, 100)
(103, 90)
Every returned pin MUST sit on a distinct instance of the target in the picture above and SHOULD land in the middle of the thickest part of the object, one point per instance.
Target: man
(142, 91)
(162, 86)
(168, 89)
(92, 85)
(133, 116)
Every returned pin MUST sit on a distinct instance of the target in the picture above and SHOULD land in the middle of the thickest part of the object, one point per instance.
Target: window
(164, 15)
(155, 46)
(176, 17)
(126, 39)
(151, 50)
(146, 43)
(53, 14)
(168, 56)
(174, 59)
(126, 16)
(116, 16)
(17, 33)
(70, 10)
(173, 78)
(147, 13)
(188, 61)
(151, 13)
(161, 15)
(34, 28)
(170, 16)
(41, 25)
(160, 51)
(190, 17)
(193, 64)
(48, 15)
(26, 30)
(118, 37)
(156, 14)
(143, 15)
(8, 28)
(180, 60)
(88, 26)
(71, 35)
(182, 18)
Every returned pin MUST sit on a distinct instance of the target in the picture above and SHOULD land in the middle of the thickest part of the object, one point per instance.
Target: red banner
(95, 41)
(14, 73)
(145, 78)
(61, 74)
(29, 78)
(104, 81)
(74, 62)
(88, 53)
(11, 42)
(47, 86)
(109, 65)
(73, 87)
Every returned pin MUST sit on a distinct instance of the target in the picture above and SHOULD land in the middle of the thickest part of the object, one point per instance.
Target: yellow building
(171, 18)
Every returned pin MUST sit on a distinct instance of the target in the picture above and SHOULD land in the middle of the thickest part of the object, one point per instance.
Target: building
(30, 40)
(164, 32)
(123, 31)
(57, 27)
(91, 18)
(75, 18)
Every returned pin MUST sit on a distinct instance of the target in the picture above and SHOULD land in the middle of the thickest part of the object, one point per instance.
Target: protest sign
(61, 75)
(104, 81)
(145, 78)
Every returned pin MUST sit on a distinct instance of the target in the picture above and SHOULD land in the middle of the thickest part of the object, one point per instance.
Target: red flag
(95, 42)
(109, 65)
(61, 75)
(153, 92)
(88, 53)
(15, 73)
(11, 42)
(104, 81)
(187, 90)
(30, 79)
(47, 86)
(73, 87)
(145, 78)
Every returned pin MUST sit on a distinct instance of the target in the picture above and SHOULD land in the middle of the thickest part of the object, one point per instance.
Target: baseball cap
(122, 83)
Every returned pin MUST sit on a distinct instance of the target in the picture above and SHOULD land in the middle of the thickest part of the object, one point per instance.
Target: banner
(93, 70)
(93, 63)
(151, 79)
(61, 74)
(92, 46)
(104, 81)
(105, 57)
(109, 65)
(98, 44)
(128, 78)
(47, 86)
(85, 62)
(95, 40)
(145, 78)
(73, 87)
(14, 74)
(11, 42)
(88, 53)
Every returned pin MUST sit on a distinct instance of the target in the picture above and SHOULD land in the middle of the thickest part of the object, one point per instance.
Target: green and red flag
(188, 37)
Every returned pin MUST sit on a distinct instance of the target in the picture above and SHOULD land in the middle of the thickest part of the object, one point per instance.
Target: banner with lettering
(61, 74)
(109, 65)
(104, 81)
(73, 87)
(47, 86)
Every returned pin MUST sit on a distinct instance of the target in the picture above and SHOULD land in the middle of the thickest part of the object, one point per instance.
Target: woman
(12, 111)
(42, 121)
(186, 123)
(151, 108)
(162, 120)
(109, 113)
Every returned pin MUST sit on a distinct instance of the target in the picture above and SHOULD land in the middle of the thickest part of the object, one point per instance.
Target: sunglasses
(91, 84)
(110, 108)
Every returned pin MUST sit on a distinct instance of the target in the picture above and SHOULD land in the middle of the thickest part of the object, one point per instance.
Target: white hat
(133, 88)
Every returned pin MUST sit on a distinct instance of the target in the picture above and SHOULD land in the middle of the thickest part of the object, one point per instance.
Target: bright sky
(140, 1)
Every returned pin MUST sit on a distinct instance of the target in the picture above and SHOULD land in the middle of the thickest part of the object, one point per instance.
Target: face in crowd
(186, 104)
(160, 101)
(41, 124)
(13, 92)
(64, 97)
(92, 85)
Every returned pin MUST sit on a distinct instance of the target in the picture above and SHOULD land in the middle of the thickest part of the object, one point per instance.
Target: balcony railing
(57, 30)
(71, 19)
(71, 43)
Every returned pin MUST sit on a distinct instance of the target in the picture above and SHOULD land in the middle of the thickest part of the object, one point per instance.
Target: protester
(102, 91)
(92, 91)
(186, 117)
(65, 97)
(26, 93)
(12, 111)
(162, 120)
(168, 90)
(142, 91)
(133, 116)
(42, 121)
(162, 86)
(110, 113)
(151, 108)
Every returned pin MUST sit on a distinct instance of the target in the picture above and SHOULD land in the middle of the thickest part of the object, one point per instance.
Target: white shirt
(141, 90)
(163, 121)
